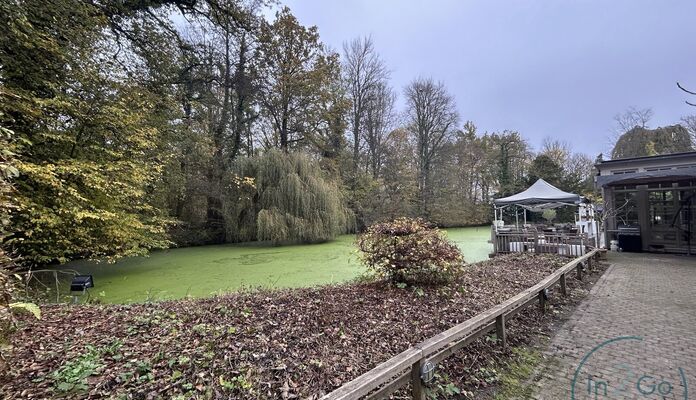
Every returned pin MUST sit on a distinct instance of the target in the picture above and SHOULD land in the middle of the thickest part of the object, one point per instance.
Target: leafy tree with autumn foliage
(7, 172)
(86, 153)
(132, 121)
(299, 90)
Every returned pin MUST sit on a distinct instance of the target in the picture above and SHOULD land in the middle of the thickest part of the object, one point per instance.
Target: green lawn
(202, 271)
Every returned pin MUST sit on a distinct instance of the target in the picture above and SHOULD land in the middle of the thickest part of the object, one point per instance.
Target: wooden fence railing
(567, 244)
(395, 373)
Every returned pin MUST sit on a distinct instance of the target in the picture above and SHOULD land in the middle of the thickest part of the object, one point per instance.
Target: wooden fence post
(564, 288)
(579, 269)
(542, 301)
(500, 329)
(417, 387)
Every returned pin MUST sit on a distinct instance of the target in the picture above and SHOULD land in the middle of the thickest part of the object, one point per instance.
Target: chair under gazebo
(570, 239)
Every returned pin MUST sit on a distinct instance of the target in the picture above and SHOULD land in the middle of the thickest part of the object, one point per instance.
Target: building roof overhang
(646, 177)
(633, 160)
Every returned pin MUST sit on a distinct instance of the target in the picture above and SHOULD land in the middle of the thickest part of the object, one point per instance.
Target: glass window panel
(626, 208)
(662, 210)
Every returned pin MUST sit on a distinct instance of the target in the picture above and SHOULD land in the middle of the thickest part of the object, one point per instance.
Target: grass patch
(515, 373)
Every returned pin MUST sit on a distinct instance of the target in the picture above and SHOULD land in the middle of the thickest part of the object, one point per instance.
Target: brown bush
(410, 251)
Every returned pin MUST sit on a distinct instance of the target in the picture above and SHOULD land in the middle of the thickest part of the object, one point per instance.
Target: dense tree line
(142, 125)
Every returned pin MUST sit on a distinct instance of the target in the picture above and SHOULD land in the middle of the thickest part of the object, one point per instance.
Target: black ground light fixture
(80, 284)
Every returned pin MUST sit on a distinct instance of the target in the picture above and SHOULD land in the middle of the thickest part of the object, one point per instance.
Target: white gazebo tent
(543, 196)
(538, 197)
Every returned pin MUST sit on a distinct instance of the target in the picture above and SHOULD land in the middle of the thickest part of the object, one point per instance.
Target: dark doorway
(672, 220)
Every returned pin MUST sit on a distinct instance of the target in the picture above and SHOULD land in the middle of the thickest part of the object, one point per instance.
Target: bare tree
(557, 150)
(431, 117)
(689, 123)
(631, 118)
(579, 172)
(613, 210)
(578, 168)
(380, 118)
(363, 70)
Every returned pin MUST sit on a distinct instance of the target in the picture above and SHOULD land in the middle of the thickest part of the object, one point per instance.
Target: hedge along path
(395, 372)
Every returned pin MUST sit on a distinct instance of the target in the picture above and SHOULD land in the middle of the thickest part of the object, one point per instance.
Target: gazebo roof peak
(539, 194)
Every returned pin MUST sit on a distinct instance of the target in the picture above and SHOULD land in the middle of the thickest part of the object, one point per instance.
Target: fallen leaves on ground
(298, 343)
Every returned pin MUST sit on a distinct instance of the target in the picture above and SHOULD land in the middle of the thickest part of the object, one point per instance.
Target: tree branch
(687, 91)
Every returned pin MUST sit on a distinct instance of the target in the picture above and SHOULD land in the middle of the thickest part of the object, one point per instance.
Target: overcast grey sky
(544, 68)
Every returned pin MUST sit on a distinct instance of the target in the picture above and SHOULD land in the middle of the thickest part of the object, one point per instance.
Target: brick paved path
(642, 313)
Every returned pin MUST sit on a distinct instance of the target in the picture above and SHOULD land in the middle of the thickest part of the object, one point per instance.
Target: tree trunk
(356, 142)
(284, 134)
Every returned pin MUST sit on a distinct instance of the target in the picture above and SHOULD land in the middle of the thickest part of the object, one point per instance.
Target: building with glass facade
(650, 202)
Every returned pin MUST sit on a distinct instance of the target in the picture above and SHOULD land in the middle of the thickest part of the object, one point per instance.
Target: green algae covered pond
(207, 270)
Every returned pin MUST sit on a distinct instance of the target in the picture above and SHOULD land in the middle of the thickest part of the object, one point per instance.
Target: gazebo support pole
(525, 216)
(517, 219)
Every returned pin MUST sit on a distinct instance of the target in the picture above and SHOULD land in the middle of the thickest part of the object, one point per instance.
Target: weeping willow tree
(293, 201)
